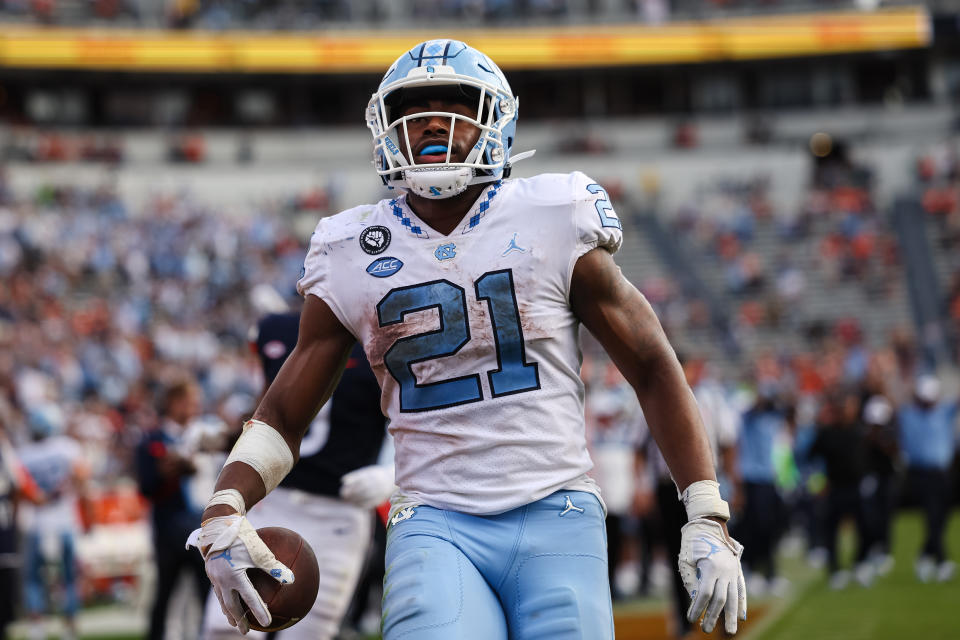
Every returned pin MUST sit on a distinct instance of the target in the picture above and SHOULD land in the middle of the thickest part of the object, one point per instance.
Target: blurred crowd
(938, 178)
(785, 278)
(104, 315)
(306, 14)
(795, 460)
(102, 309)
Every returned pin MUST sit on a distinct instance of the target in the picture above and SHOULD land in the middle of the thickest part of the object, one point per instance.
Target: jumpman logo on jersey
(569, 506)
(226, 555)
(713, 548)
(513, 246)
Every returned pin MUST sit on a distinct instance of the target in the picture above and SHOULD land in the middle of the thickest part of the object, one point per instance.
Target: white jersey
(471, 336)
(53, 463)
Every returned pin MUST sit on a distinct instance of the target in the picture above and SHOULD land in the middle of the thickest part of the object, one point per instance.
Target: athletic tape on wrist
(231, 498)
(702, 499)
(263, 448)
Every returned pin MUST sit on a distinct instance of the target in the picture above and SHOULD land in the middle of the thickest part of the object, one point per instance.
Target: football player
(329, 495)
(54, 459)
(467, 291)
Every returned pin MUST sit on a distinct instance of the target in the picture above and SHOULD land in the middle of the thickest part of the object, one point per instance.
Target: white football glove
(234, 548)
(367, 486)
(711, 573)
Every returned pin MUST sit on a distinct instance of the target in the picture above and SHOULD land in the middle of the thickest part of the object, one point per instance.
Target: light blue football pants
(538, 571)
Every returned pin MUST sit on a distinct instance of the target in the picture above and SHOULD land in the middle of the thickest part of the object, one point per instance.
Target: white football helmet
(453, 65)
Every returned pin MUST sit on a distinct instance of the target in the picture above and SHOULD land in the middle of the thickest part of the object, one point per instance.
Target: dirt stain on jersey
(530, 324)
(383, 338)
(481, 330)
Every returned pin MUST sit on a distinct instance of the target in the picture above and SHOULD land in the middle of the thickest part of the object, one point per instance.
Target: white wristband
(231, 498)
(263, 448)
(702, 499)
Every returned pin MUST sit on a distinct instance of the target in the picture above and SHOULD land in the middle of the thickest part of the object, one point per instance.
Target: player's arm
(264, 453)
(622, 320)
(306, 380)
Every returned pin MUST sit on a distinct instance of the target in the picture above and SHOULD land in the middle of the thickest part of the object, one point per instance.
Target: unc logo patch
(384, 267)
(374, 240)
(446, 251)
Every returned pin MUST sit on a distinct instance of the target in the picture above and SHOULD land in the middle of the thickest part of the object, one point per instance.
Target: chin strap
(437, 183)
(508, 169)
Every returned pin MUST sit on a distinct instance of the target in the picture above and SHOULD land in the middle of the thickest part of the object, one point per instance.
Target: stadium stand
(313, 14)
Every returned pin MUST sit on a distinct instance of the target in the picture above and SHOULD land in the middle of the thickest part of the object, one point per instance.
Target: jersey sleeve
(596, 221)
(317, 277)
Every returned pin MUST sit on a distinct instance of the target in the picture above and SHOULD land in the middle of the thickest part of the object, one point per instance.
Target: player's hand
(230, 546)
(710, 568)
(368, 486)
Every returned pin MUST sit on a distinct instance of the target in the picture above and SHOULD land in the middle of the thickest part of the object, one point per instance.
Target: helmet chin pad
(437, 183)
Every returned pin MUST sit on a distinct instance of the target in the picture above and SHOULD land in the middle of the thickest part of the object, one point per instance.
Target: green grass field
(896, 607)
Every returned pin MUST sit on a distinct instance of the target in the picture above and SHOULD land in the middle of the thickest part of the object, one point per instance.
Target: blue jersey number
(454, 332)
(602, 204)
(513, 375)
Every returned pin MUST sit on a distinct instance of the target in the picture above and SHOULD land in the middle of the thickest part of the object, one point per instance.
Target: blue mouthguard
(433, 149)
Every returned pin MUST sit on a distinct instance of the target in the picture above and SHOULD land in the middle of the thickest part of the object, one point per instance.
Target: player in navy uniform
(329, 494)
(467, 292)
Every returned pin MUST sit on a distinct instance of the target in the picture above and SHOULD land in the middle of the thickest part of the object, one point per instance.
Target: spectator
(928, 440)
(720, 419)
(839, 442)
(163, 469)
(612, 412)
(878, 488)
(759, 520)
(658, 489)
(15, 482)
(55, 461)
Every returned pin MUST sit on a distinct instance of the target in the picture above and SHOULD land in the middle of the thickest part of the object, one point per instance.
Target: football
(287, 603)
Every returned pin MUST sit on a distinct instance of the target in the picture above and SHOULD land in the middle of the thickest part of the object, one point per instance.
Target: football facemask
(443, 69)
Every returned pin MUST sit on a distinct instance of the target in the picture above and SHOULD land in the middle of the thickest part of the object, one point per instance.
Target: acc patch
(375, 239)
(384, 267)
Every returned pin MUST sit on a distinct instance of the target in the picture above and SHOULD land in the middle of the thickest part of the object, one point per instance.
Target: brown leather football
(287, 603)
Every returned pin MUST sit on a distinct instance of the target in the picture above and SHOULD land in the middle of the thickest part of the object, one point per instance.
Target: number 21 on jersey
(513, 373)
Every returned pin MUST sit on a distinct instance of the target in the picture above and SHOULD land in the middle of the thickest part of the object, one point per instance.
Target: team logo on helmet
(374, 240)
